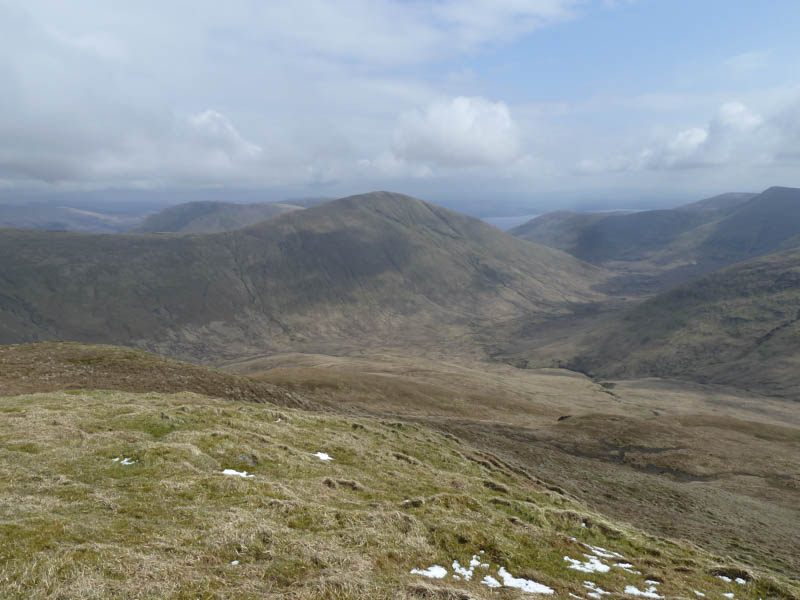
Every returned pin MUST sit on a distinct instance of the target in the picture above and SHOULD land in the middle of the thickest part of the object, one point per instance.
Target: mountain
(653, 249)
(62, 218)
(377, 269)
(739, 326)
(150, 494)
(210, 217)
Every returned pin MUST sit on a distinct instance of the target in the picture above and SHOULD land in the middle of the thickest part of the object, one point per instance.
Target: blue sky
(536, 103)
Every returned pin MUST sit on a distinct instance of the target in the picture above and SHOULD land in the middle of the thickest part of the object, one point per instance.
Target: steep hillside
(378, 269)
(151, 495)
(210, 217)
(739, 326)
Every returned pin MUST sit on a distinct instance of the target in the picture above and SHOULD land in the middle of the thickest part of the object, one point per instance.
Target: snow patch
(526, 585)
(242, 474)
(433, 572)
(124, 461)
(628, 567)
(322, 456)
(465, 573)
(593, 565)
(700, 594)
(234, 562)
(595, 592)
(603, 553)
(491, 582)
(729, 595)
(724, 578)
(740, 581)
(648, 593)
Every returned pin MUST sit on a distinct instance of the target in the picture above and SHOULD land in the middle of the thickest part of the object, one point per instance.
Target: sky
(530, 104)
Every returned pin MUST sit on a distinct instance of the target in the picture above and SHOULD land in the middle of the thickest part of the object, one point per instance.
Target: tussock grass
(76, 524)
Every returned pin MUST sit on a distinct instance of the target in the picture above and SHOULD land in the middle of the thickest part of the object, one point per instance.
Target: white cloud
(736, 136)
(462, 132)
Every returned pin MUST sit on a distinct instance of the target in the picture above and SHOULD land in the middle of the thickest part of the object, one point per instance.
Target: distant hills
(210, 217)
(673, 245)
(379, 268)
(739, 326)
(63, 218)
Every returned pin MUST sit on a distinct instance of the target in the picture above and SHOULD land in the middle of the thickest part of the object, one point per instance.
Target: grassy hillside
(712, 466)
(740, 326)
(380, 268)
(47, 367)
(124, 494)
(210, 217)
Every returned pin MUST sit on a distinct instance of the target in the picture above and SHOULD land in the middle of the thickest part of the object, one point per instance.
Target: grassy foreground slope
(739, 326)
(714, 466)
(380, 268)
(119, 494)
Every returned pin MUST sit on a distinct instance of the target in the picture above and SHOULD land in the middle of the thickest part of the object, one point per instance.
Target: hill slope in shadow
(739, 326)
(379, 268)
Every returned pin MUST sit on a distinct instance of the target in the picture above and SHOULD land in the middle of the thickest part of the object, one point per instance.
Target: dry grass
(75, 524)
(706, 464)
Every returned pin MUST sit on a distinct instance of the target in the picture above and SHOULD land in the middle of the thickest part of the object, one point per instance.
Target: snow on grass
(322, 456)
(740, 581)
(491, 582)
(526, 585)
(242, 474)
(467, 573)
(648, 593)
(124, 461)
(652, 582)
(433, 572)
(461, 571)
(724, 578)
(595, 592)
(234, 562)
(699, 594)
(729, 595)
(593, 565)
(603, 553)
(628, 567)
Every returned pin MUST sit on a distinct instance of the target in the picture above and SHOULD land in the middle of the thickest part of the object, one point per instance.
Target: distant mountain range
(210, 217)
(63, 218)
(652, 249)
